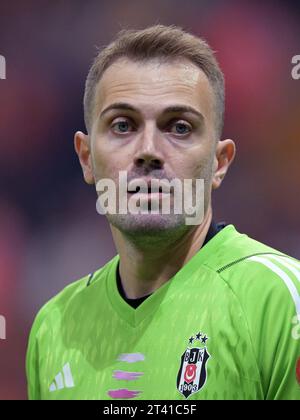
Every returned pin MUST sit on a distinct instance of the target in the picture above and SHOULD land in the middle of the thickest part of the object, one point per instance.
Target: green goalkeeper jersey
(226, 326)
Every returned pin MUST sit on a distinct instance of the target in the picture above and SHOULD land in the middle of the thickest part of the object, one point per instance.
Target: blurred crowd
(50, 233)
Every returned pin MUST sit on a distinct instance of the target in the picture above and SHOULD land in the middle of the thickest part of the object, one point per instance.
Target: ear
(82, 148)
(225, 152)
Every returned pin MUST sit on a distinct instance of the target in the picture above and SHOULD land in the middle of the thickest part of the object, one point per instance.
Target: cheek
(198, 166)
(205, 163)
(102, 163)
(107, 163)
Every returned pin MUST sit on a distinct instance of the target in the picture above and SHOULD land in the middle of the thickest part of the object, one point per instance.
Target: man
(184, 311)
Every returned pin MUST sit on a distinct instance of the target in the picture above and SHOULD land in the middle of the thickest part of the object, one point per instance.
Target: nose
(149, 153)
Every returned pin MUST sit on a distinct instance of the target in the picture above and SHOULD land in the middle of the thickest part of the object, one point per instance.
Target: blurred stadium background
(50, 233)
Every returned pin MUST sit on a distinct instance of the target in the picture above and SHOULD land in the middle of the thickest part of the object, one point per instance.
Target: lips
(148, 186)
(148, 190)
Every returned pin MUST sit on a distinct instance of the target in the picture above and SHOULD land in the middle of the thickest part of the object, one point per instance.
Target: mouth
(148, 190)
(148, 187)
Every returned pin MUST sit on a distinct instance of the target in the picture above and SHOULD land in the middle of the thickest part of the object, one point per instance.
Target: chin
(147, 224)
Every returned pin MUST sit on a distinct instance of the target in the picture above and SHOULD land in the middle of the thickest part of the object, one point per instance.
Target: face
(154, 120)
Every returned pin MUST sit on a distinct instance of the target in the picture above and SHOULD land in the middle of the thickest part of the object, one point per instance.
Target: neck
(144, 269)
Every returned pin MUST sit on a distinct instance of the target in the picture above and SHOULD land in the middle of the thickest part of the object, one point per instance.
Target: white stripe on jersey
(68, 376)
(283, 275)
(288, 263)
(292, 261)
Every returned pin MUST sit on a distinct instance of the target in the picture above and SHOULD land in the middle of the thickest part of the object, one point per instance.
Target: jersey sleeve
(268, 288)
(38, 338)
(32, 358)
(32, 370)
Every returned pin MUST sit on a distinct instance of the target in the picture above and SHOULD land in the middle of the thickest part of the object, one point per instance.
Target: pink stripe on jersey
(126, 376)
(131, 357)
(123, 393)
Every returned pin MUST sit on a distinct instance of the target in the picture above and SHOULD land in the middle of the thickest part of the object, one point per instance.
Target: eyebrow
(170, 109)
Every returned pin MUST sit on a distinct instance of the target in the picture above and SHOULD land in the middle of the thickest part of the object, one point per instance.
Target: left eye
(181, 128)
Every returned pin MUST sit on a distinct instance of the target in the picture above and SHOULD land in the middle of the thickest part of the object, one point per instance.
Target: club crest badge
(192, 372)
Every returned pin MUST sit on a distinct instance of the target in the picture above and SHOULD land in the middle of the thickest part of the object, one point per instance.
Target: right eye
(122, 126)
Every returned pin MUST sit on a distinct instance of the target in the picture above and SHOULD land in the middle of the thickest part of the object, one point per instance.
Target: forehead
(152, 85)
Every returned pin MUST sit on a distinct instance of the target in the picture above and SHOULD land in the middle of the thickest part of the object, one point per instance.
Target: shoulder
(263, 275)
(246, 265)
(265, 286)
(77, 292)
(263, 282)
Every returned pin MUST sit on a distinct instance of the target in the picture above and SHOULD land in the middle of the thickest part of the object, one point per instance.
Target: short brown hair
(162, 42)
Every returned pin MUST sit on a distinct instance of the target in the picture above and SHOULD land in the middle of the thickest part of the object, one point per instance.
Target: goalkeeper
(183, 311)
